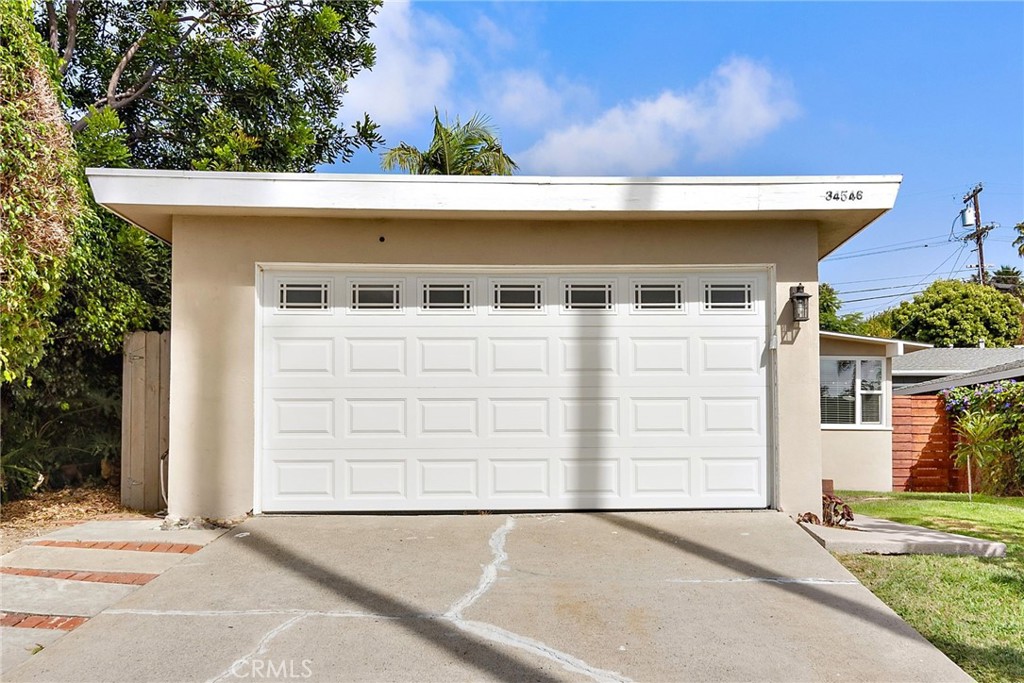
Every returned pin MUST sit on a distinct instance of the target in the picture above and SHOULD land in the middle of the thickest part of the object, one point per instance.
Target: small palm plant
(980, 440)
(457, 148)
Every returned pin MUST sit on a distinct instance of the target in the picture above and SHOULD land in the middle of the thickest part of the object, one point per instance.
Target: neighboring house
(856, 408)
(1011, 370)
(923, 460)
(935, 364)
(376, 343)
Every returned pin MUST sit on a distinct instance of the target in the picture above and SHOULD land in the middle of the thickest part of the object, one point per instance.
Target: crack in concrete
(454, 615)
(488, 577)
(261, 648)
(490, 572)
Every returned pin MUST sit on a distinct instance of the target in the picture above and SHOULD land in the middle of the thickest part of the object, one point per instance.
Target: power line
(891, 297)
(877, 253)
(919, 240)
(873, 289)
(887, 279)
(884, 296)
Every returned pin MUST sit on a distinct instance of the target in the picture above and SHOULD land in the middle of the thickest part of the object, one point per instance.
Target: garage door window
(657, 296)
(587, 296)
(518, 296)
(447, 296)
(375, 296)
(728, 297)
(851, 391)
(303, 296)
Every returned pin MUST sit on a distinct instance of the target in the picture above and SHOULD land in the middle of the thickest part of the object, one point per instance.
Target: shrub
(1005, 473)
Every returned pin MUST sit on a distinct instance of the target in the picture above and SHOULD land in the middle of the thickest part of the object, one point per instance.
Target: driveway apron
(670, 596)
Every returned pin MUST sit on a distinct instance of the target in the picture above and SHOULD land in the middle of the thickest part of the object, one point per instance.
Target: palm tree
(470, 148)
(980, 439)
(1007, 279)
(1019, 242)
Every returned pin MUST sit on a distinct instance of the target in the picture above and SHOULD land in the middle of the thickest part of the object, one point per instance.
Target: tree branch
(69, 47)
(51, 16)
(115, 78)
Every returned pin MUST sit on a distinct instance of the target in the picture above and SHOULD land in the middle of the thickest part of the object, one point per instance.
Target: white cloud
(741, 102)
(493, 36)
(525, 98)
(413, 71)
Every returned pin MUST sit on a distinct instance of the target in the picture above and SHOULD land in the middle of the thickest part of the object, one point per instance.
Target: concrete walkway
(867, 535)
(55, 583)
(558, 597)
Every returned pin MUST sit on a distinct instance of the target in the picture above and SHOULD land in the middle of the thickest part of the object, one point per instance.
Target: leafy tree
(829, 318)
(952, 312)
(470, 148)
(228, 85)
(1019, 240)
(879, 325)
(41, 195)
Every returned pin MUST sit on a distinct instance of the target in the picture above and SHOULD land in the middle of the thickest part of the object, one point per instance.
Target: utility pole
(979, 232)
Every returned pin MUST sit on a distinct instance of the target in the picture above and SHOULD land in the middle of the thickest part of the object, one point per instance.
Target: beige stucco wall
(214, 300)
(859, 460)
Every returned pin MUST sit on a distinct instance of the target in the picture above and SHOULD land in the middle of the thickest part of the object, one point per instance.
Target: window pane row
(851, 391)
(656, 296)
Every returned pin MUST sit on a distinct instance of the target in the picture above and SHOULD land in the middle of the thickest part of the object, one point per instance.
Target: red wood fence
(922, 444)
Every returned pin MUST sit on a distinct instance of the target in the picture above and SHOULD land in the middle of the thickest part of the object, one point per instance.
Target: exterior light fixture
(801, 303)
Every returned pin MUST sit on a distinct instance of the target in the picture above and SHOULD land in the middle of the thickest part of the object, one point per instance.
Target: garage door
(512, 390)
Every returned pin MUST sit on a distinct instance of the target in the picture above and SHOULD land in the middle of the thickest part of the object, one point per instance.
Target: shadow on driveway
(435, 631)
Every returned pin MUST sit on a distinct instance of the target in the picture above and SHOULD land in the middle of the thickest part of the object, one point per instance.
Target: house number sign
(844, 196)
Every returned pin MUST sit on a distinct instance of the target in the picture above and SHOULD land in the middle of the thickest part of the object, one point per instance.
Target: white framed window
(447, 296)
(852, 391)
(303, 296)
(375, 295)
(517, 296)
(588, 297)
(658, 296)
(727, 296)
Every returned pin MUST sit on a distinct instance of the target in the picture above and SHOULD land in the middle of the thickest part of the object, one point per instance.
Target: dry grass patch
(48, 511)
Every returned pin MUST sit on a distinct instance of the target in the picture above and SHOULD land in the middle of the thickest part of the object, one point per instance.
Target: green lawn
(971, 608)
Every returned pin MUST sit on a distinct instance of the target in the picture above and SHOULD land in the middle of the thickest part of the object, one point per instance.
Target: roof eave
(151, 199)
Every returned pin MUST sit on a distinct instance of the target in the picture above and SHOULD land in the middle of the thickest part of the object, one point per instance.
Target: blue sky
(933, 91)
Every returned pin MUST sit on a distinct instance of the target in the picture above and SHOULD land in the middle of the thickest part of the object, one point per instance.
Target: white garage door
(512, 391)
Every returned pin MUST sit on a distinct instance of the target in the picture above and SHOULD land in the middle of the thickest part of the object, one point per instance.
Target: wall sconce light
(801, 303)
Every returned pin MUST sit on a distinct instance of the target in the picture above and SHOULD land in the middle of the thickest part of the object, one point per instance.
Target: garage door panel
(733, 355)
(457, 356)
(422, 407)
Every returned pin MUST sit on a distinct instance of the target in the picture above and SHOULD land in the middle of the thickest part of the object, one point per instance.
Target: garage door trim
(768, 299)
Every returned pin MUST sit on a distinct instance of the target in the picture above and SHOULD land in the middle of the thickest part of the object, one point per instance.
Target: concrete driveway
(630, 596)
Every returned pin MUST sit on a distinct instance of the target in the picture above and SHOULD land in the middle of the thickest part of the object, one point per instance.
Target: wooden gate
(144, 424)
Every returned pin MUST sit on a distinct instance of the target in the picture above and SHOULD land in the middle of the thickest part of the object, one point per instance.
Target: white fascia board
(150, 198)
(893, 347)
